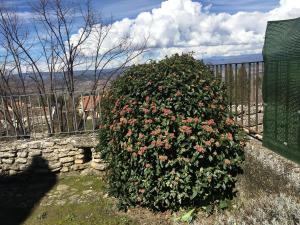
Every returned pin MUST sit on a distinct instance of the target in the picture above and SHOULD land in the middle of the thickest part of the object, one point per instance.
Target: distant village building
(88, 105)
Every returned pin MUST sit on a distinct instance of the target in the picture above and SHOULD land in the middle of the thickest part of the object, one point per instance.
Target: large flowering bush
(168, 137)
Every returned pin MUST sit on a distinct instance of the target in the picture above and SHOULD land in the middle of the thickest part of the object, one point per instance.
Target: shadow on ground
(20, 193)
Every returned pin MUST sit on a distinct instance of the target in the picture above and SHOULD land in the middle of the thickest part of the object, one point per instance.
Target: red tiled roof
(89, 102)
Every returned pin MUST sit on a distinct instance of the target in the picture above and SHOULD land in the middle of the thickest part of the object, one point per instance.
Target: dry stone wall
(73, 153)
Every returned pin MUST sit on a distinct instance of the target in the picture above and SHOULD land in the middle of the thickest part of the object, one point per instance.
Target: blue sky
(210, 28)
(131, 8)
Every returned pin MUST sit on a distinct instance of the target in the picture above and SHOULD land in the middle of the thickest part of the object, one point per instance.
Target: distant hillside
(84, 79)
(234, 59)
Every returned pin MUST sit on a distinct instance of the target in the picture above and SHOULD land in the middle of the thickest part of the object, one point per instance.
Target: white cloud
(184, 26)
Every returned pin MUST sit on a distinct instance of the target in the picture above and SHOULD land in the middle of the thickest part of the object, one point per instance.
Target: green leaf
(187, 217)
(224, 204)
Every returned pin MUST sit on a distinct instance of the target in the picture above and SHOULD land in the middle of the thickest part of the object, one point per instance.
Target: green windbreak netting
(281, 88)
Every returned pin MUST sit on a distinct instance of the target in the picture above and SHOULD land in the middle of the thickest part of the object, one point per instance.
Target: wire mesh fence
(244, 87)
(39, 115)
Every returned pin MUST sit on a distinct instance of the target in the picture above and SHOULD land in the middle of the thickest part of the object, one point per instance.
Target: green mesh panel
(281, 88)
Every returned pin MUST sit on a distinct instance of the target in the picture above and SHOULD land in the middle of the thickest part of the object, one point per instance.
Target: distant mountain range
(84, 79)
(88, 75)
(234, 59)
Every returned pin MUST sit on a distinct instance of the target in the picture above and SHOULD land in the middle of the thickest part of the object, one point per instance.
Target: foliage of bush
(168, 137)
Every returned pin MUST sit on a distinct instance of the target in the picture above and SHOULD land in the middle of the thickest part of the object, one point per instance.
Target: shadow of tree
(21, 192)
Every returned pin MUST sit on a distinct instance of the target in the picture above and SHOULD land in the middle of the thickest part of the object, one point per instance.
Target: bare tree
(43, 56)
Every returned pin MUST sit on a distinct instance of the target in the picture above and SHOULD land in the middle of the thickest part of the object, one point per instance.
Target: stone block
(7, 154)
(9, 147)
(79, 156)
(5, 167)
(48, 150)
(98, 166)
(62, 154)
(15, 167)
(67, 147)
(34, 152)
(66, 159)
(87, 141)
(55, 165)
(35, 145)
(68, 164)
(47, 154)
(8, 161)
(97, 160)
(64, 169)
(12, 172)
(21, 160)
(52, 157)
(23, 146)
(80, 151)
(22, 154)
(23, 167)
(3, 149)
(72, 153)
(96, 156)
(78, 167)
(79, 161)
(56, 169)
(48, 144)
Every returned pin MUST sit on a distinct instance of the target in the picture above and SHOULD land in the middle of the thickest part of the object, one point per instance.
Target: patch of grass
(81, 183)
(263, 197)
(95, 211)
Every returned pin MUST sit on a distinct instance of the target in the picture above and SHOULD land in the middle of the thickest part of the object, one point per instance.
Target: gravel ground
(280, 165)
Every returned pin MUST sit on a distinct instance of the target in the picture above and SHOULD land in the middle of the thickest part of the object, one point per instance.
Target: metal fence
(244, 87)
(39, 115)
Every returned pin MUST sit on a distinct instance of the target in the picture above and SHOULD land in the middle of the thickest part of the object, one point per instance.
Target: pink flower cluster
(210, 122)
(123, 121)
(142, 150)
(207, 143)
(132, 122)
(126, 109)
(166, 111)
(207, 128)
(191, 120)
(129, 133)
(145, 110)
(227, 136)
(156, 132)
(153, 107)
(163, 140)
(185, 129)
(163, 158)
(148, 121)
(132, 102)
(199, 149)
(141, 136)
